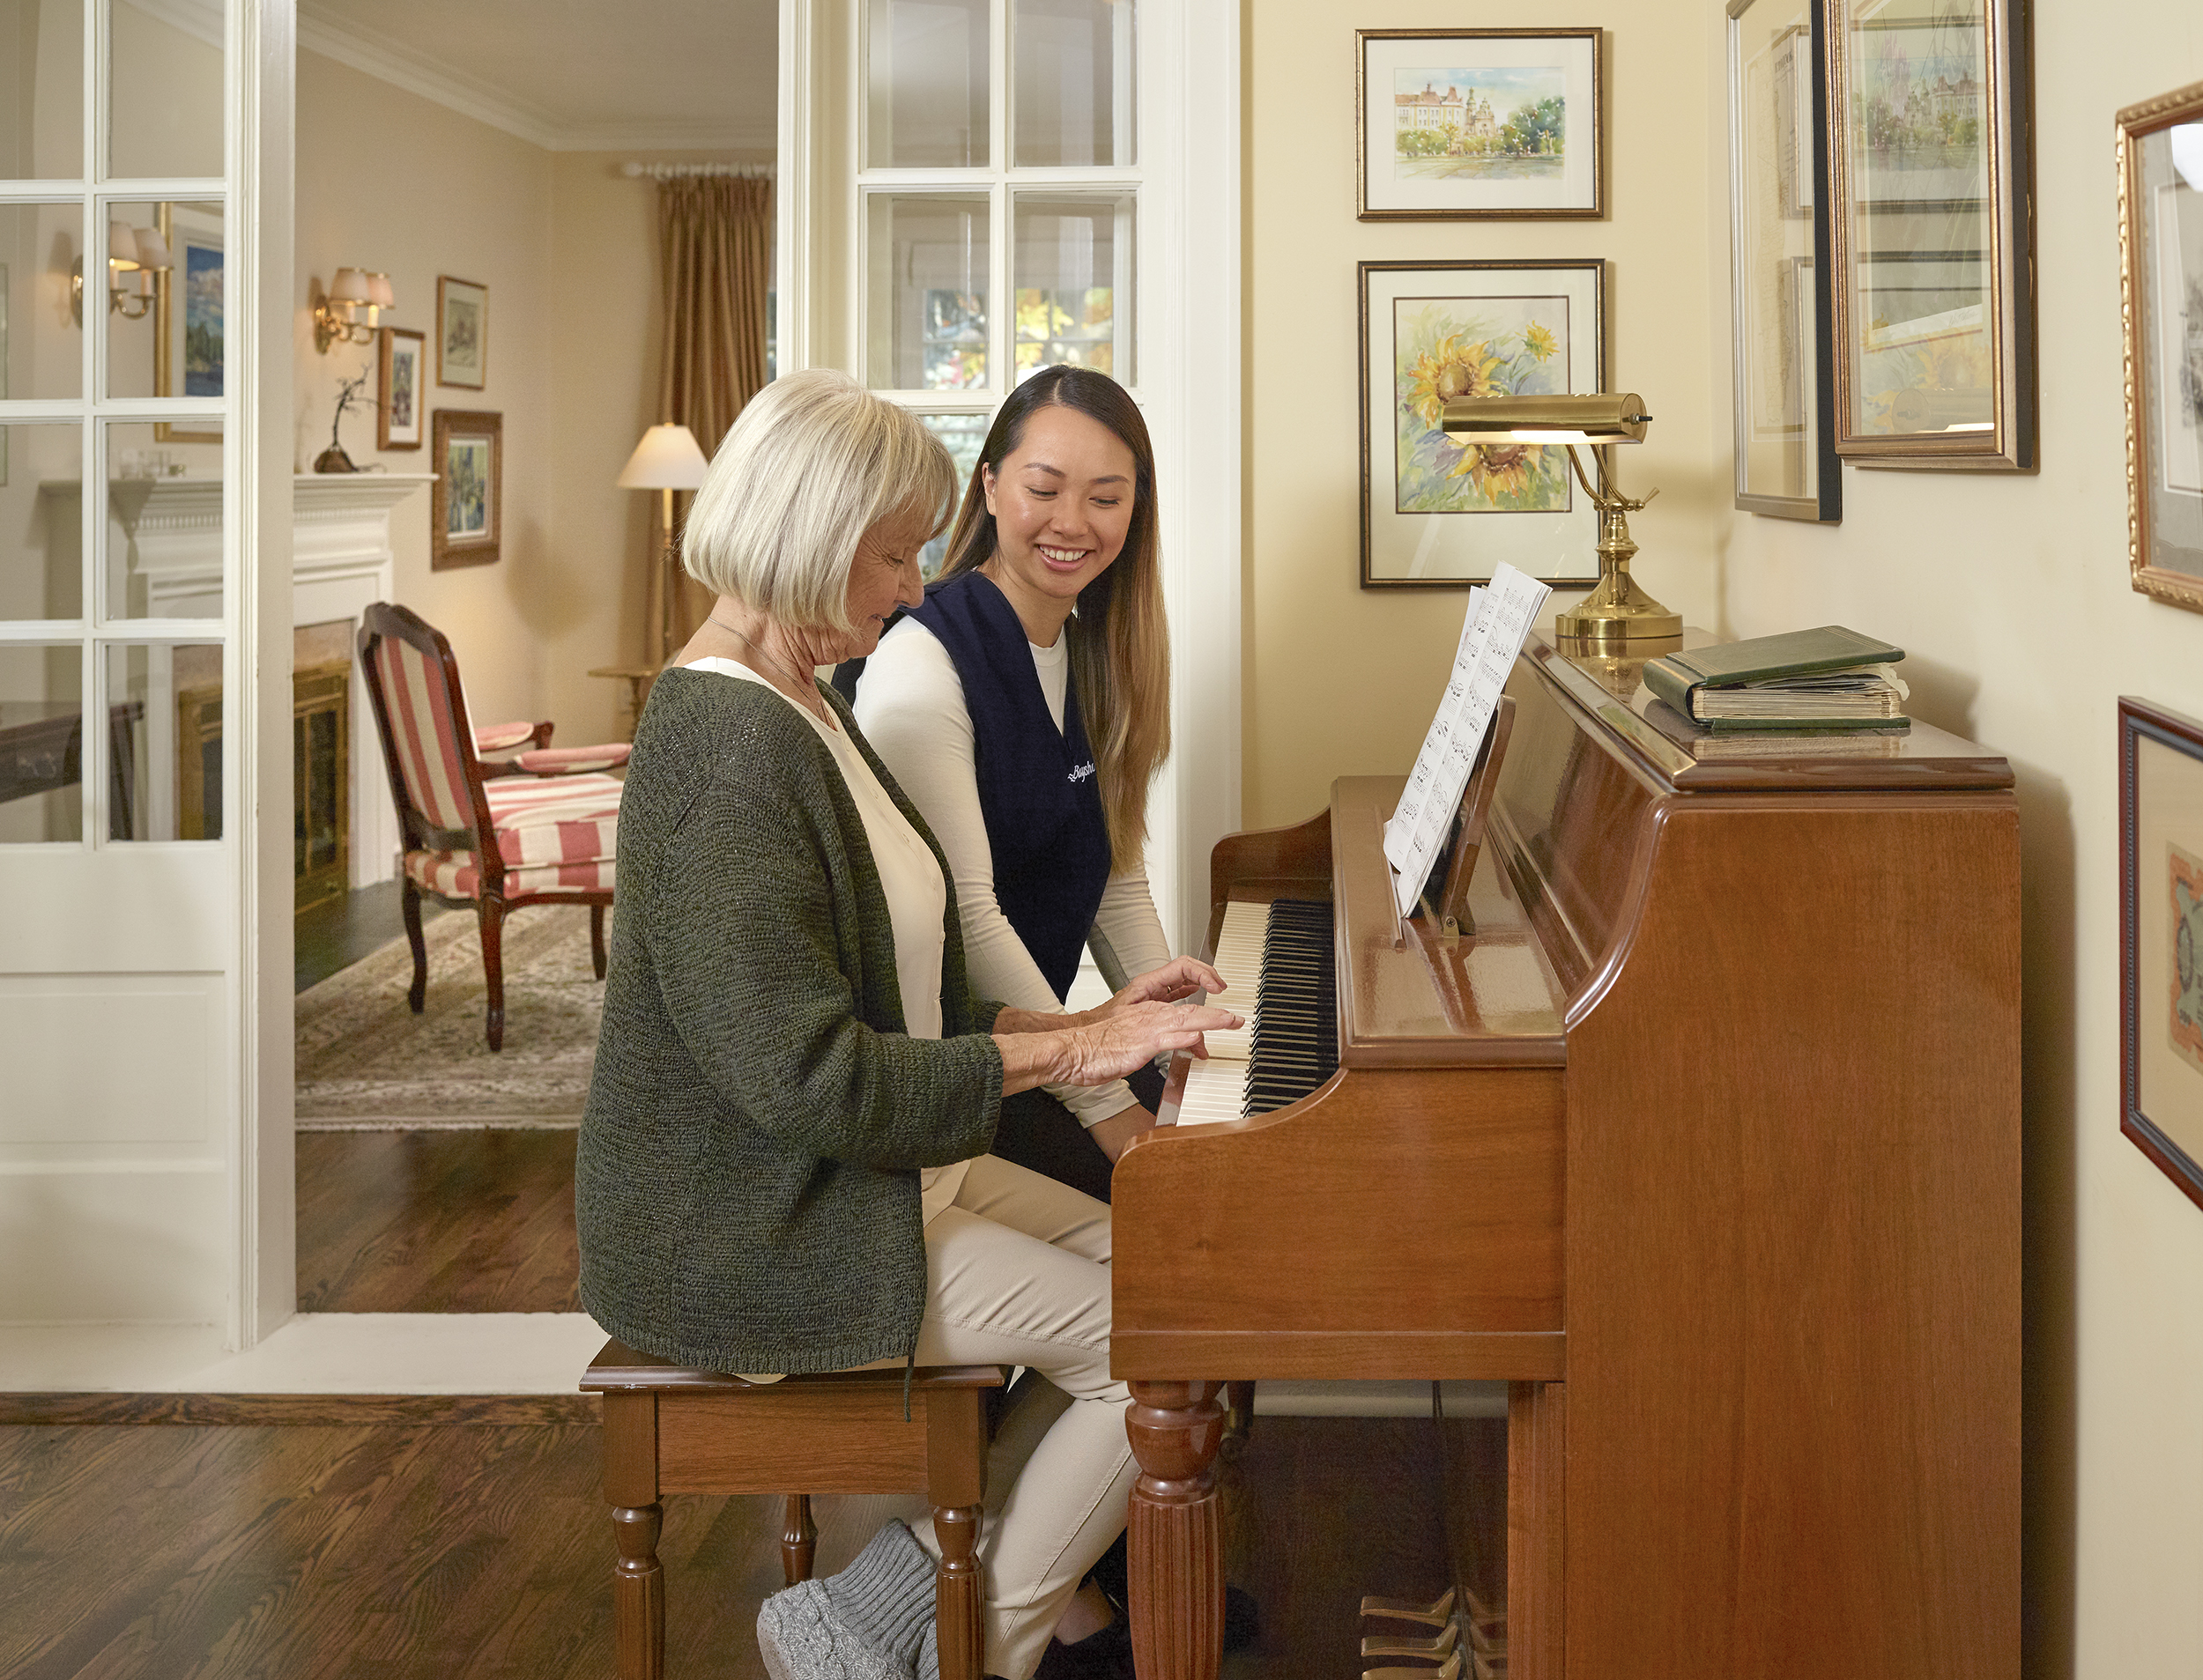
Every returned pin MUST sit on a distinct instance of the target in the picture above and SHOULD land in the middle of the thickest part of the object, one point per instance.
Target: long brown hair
(1120, 651)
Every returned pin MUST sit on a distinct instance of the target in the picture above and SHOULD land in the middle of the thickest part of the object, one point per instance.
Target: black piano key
(1293, 1037)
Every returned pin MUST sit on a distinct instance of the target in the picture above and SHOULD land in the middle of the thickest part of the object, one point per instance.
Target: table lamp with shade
(1617, 610)
(668, 459)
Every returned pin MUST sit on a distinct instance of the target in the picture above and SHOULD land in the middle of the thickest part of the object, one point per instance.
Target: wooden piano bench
(675, 1428)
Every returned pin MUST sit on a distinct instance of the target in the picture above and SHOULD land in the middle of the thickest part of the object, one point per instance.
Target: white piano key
(1213, 1091)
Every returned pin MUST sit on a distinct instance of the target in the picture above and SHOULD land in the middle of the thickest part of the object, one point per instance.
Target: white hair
(814, 462)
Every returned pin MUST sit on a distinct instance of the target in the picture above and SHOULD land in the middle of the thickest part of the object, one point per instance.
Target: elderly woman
(783, 1163)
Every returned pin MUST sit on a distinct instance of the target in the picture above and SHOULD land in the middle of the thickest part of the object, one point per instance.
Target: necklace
(809, 700)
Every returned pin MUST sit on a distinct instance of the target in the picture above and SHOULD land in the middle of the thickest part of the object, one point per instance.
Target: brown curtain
(715, 243)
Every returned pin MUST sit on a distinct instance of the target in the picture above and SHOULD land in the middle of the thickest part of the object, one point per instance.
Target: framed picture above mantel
(1931, 240)
(1468, 124)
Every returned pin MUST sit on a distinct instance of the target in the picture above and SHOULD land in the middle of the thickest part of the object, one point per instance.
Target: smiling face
(1062, 502)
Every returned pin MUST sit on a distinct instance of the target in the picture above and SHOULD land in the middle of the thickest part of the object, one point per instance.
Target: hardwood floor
(436, 1221)
(179, 1552)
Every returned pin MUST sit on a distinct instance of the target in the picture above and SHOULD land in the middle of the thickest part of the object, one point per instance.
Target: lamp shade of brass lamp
(668, 459)
(1617, 610)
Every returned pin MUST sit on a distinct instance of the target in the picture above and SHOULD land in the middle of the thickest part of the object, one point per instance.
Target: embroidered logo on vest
(1082, 772)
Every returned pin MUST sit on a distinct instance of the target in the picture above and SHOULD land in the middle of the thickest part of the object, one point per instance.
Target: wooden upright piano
(1705, 1138)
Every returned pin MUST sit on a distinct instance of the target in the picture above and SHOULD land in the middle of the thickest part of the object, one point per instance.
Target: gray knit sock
(865, 1624)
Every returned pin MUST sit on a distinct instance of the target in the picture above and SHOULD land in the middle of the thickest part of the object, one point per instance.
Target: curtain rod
(682, 171)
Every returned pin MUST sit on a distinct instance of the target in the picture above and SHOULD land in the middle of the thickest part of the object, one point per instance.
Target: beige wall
(2010, 594)
(567, 247)
(1338, 678)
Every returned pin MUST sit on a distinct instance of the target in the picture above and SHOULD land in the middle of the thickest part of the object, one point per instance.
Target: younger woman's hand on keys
(1176, 979)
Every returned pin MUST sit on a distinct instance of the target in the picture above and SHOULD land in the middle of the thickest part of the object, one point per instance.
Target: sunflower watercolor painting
(1445, 348)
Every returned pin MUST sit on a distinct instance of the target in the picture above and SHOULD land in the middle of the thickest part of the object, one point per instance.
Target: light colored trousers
(1018, 1273)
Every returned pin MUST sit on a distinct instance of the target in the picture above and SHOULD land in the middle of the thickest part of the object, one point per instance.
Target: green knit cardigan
(746, 1187)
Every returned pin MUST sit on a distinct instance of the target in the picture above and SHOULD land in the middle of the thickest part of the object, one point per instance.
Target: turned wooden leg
(956, 1591)
(492, 915)
(956, 1483)
(798, 1538)
(1177, 1555)
(638, 1592)
(409, 906)
(596, 938)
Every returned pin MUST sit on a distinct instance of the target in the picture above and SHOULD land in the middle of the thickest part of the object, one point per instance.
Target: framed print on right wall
(1779, 295)
(2160, 278)
(2161, 939)
(1931, 242)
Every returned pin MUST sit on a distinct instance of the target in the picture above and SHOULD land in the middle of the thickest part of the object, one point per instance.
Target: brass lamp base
(1617, 610)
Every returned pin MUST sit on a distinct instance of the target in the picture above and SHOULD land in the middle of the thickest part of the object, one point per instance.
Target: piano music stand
(1447, 910)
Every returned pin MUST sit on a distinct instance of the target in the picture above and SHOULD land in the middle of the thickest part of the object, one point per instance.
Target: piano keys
(1705, 1139)
(1277, 962)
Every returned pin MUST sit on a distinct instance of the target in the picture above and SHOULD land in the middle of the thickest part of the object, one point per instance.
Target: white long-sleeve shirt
(910, 705)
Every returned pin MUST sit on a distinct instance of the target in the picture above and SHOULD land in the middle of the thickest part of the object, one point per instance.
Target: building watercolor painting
(1495, 124)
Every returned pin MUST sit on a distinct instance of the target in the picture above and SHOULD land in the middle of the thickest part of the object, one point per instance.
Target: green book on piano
(1803, 682)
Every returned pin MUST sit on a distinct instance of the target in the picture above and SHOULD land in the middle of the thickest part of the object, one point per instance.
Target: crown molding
(417, 74)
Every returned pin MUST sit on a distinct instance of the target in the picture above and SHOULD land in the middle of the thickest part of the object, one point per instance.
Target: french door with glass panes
(127, 440)
(973, 190)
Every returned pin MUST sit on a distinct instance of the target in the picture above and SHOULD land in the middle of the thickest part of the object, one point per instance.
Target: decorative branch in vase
(333, 459)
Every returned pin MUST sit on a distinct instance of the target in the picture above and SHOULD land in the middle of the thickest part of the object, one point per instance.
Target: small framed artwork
(1779, 304)
(2160, 271)
(2161, 939)
(467, 513)
(1930, 243)
(463, 333)
(397, 389)
(1457, 124)
(1436, 514)
(188, 314)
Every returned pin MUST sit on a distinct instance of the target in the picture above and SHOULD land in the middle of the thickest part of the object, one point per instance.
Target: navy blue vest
(1038, 787)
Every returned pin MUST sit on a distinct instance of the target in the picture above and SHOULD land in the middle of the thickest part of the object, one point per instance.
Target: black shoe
(1105, 1655)
(1242, 1619)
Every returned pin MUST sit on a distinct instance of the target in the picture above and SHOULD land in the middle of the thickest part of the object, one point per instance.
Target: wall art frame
(2160, 938)
(2161, 283)
(185, 315)
(401, 358)
(467, 505)
(1931, 236)
(463, 333)
(1435, 516)
(1503, 139)
(1780, 298)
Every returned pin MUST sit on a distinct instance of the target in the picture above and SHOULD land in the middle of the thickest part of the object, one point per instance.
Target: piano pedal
(1434, 1648)
(1450, 1670)
(1485, 1668)
(1435, 1614)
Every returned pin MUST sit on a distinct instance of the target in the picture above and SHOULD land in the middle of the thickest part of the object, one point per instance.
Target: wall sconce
(352, 310)
(135, 256)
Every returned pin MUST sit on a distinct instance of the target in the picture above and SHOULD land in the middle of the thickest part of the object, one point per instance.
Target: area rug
(365, 1060)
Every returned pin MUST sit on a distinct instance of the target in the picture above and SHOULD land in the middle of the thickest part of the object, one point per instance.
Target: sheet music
(1492, 633)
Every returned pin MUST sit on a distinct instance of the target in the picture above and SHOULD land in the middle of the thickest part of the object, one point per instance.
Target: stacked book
(1808, 682)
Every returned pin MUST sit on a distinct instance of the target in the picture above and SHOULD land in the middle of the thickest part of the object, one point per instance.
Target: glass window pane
(1072, 268)
(42, 344)
(42, 746)
(42, 88)
(165, 289)
(165, 519)
(164, 730)
(928, 293)
(964, 434)
(926, 66)
(165, 91)
(1072, 82)
(41, 522)
(1920, 123)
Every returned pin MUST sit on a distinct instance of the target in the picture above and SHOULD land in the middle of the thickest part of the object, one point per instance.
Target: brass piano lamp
(1617, 610)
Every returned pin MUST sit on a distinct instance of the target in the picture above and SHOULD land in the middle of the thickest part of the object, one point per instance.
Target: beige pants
(1018, 1273)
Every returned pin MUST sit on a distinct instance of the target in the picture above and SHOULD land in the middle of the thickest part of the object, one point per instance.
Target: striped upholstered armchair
(493, 834)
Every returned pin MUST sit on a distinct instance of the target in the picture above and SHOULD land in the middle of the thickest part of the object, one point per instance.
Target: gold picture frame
(196, 239)
(1932, 245)
(463, 333)
(401, 358)
(2160, 285)
(467, 505)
